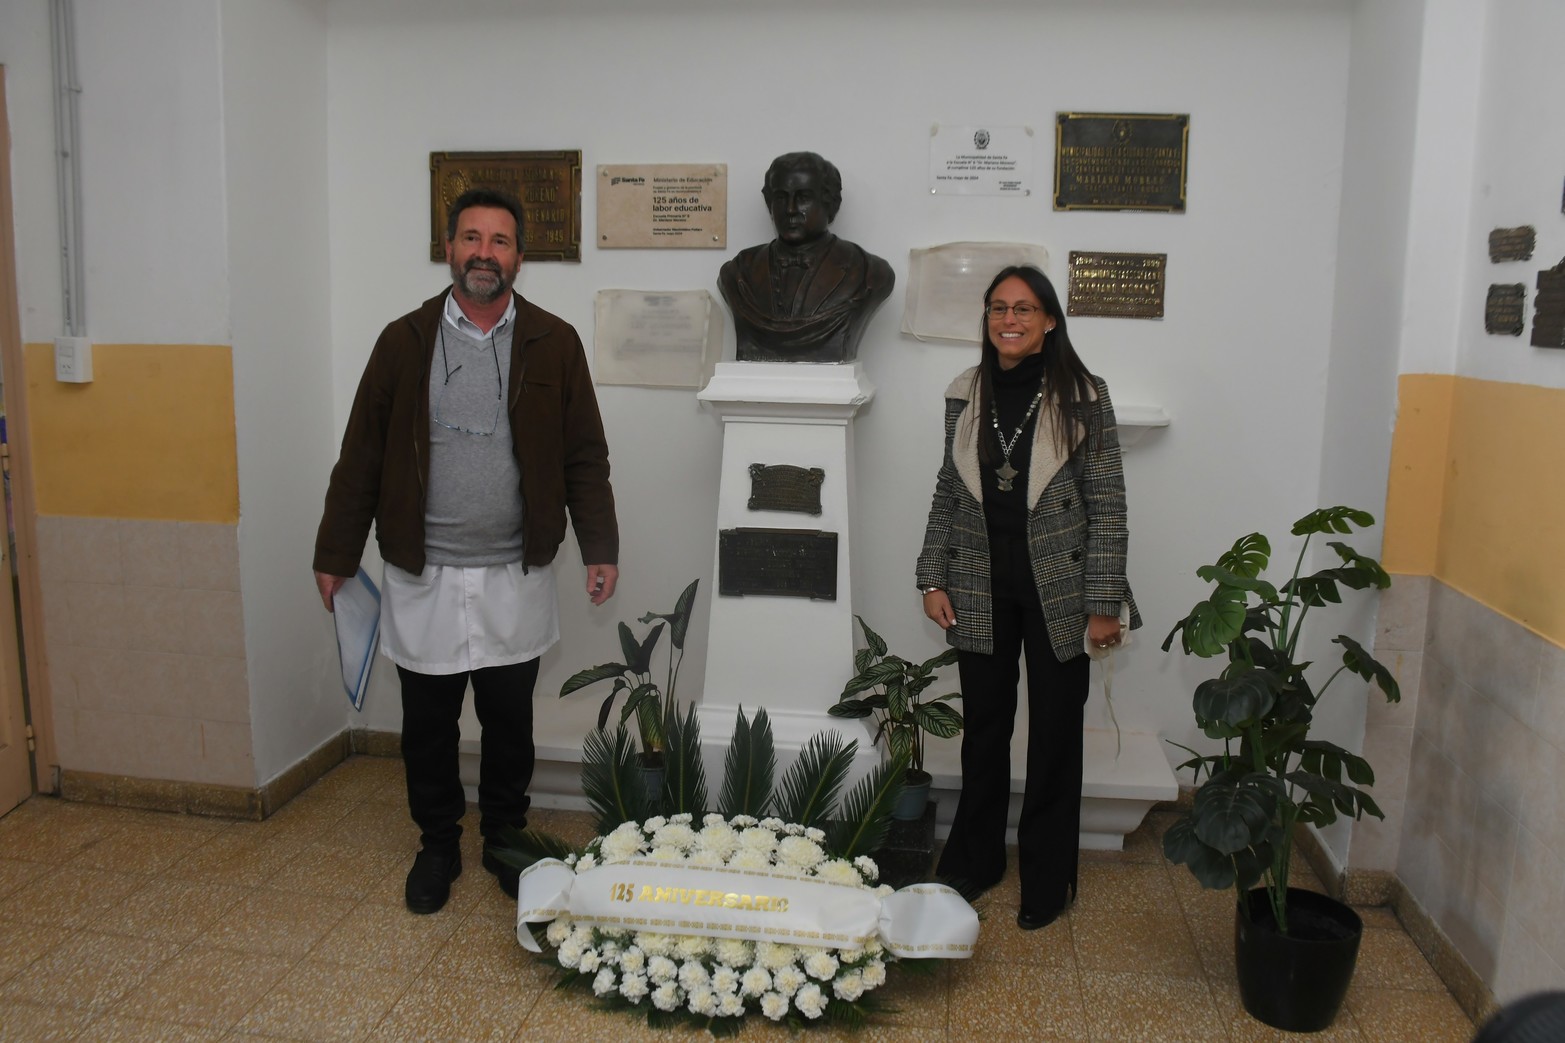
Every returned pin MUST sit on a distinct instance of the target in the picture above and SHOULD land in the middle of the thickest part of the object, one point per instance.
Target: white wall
(274, 106)
(1519, 160)
(1242, 355)
(29, 88)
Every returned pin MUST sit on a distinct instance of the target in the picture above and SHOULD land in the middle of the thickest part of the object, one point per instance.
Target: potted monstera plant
(1295, 949)
(645, 700)
(891, 689)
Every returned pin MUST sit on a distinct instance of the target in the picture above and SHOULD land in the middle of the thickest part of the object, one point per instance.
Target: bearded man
(474, 431)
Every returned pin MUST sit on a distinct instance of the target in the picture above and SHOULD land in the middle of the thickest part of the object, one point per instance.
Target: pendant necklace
(1005, 472)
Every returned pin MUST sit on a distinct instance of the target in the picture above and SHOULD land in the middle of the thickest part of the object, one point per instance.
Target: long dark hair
(1067, 383)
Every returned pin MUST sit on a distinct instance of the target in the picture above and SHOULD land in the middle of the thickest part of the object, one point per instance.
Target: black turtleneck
(1014, 388)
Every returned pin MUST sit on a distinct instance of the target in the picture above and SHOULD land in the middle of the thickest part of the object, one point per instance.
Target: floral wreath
(712, 967)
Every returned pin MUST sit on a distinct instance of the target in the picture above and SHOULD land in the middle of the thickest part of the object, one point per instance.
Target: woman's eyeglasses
(1023, 312)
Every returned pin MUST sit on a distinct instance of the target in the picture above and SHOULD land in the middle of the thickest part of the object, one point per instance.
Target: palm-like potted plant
(645, 700)
(903, 715)
(1271, 776)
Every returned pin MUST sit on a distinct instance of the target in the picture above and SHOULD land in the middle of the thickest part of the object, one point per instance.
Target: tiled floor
(129, 925)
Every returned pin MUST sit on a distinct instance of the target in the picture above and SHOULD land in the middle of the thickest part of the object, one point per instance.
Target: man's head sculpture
(807, 295)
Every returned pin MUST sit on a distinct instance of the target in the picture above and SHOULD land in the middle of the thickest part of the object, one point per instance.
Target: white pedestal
(789, 655)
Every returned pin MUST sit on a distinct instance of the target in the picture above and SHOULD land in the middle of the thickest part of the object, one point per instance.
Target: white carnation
(799, 852)
(587, 862)
(755, 981)
(705, 856)
(885, 891)
(873, 948)
(712, 818)
(654, 944)
(684, 818)
(793, 829)
(666, 996)
(848, 987)
(757, 838)
(788, 980)
(653, 824)
(693, 975)
(837, 871)
(661, 969)
(725, 980)
(719, 839)
(675, 835)
(591, 960)
(742, 821)
(623, 843)
(691, 946)
(736, 952)
(603, 984)
(867, 866)
(817, 835)
(570, 859)
(773, 955)
(730, 1005)
(633, 960)
(634, 987)
(570, 954)
(821, 965)
(874, 974)
(750, 858)
(702, 1000)
(773, 823)
(667, 853)
(558, 931)
(810, 1001)
(774, 1006)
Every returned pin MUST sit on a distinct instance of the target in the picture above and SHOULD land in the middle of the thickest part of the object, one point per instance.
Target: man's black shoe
(429, 881)
(1028, 920)
(506, 875)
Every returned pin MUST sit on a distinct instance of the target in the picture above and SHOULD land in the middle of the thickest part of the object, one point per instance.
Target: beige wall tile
(1536, 892)
(149, 553)
(1524, 966)
(136, 744)
(1407, 668)
(1474, 924)
(97, 616)
(89, 550)
(1493, 854)
(108, 679)
(214, 623)
(1487, 651)
(1499, 757)
(209, 556)
(1403, 614)
(1549, 717)
(51, 549)
(226, 756)
(1388, 749)
(1376, 841)
(1543, 799)
(156, 619)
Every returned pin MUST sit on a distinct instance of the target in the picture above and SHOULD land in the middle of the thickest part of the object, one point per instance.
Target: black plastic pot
(1296, 981)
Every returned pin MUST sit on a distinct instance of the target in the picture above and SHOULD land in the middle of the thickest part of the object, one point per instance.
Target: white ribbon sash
(924, 920)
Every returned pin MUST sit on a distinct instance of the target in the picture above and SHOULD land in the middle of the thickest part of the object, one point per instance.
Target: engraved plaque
(1121, 161)
(1115, 285)
(1548, 309)
(791, 563)
(1505, 310)
(663, 205)
(547, 183)
(784, 487)
(1512, 244)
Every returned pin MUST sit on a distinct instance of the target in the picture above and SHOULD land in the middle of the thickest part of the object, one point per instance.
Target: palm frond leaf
(750, 767)
(809, 787)
(866, 813)
(610, 778)
(522, 847)
(685, 785)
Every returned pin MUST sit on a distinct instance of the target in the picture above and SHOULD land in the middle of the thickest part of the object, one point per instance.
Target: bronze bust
(807, 295)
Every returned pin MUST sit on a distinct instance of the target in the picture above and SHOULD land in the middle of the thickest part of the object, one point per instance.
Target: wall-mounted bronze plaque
(790, 563)
(1512, 244)
(1505, 311)
(547, 183)
(1121, 161)
(1120, 286)
(1548, 308)
(784, 487)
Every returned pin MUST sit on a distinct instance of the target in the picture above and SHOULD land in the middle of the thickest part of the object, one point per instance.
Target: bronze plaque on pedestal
(548, 184)
(1114, 285)
(1548, 309)
(784, 487)
(1512, 244)
(790, 563)
(1121, 161)
(1505, 310)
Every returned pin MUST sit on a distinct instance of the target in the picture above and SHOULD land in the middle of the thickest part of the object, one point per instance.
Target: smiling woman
(1037, 564)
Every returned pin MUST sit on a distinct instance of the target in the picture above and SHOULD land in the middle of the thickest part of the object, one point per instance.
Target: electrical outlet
(73, 360)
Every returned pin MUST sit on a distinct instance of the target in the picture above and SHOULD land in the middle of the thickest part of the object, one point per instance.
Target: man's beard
(479, 289)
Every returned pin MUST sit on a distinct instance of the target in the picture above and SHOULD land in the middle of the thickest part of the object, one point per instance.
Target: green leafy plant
(895, 687)
(645, 700)
(1270, 776)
